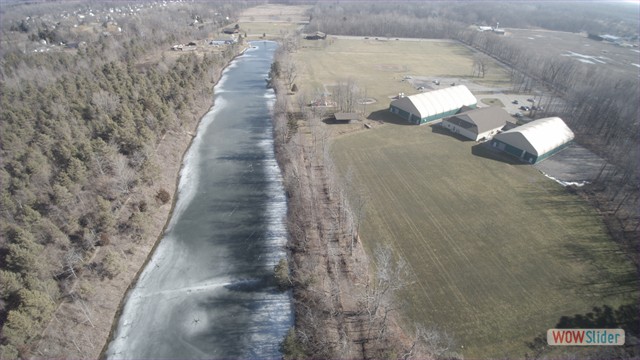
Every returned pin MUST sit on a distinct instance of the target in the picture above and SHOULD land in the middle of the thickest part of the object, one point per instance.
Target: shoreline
(192, 133)
(85, 324)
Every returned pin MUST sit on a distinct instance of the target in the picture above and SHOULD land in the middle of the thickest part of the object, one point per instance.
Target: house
(478, 124)
(534, 141)
(432, 105)
(220, 42)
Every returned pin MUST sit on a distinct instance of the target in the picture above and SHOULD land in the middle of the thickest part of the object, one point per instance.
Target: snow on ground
(574, 165)
(588, 59)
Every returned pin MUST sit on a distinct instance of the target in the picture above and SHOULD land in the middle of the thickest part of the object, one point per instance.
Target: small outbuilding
(432, 105)
(344, 118)
(478, 124)
(535, 141)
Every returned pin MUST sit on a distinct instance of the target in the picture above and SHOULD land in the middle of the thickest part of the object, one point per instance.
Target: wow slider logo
(588, 337)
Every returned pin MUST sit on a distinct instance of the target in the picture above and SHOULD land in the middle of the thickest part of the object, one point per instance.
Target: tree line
(433, 19)
(78, 137)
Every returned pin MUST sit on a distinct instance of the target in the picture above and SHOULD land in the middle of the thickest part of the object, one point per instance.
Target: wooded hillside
(87, 94)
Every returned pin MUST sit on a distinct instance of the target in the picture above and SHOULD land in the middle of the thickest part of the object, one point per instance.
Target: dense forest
(84, 104)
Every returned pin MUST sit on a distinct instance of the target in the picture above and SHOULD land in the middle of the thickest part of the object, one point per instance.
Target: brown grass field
(272, 13)
(271, 30)
(272, 20)
(498, 251)
(379, 66)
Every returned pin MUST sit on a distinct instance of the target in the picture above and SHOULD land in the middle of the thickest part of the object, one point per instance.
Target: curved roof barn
(536, 140)
(434, 104)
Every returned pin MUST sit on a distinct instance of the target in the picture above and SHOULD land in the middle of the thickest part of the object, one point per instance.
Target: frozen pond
(208, 290)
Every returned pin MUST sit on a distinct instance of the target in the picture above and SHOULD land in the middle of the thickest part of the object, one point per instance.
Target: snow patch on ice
(188, 183)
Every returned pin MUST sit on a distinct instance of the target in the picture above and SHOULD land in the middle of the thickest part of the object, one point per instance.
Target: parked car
(525, 108)
(515, 102)
(518, 114)
(531, 100)
(437, 82)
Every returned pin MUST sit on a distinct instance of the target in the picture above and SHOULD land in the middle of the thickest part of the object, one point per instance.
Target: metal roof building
(535, 141)
(479, 123)
(345, 117)
(428, 106)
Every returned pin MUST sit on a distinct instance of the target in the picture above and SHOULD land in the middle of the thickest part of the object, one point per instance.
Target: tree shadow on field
(626, 317)
(484, 150)
(439, 129)
(603, 283)
(388, 117)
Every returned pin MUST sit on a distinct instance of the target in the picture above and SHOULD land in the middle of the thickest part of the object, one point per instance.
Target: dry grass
(272, 20)
(272, 13)
(379, 66)
(499, 252)
(272, 30)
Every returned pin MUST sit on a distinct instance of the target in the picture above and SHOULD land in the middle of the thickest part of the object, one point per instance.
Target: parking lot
(574, 165)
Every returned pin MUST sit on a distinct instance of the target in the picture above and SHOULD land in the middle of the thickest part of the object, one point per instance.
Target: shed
(478, 124)
(432, 105)
(318, 35)
(535, 141)
(345, 118)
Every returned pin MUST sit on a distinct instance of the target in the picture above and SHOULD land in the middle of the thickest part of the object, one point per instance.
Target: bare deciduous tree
(480, 65)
